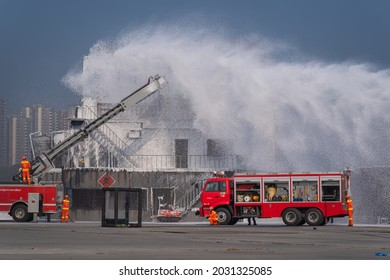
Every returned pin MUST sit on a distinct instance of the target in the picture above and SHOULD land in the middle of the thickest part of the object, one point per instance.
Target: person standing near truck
(252, 219)
(25, 168)
(350, 210)
(213, 217)
(65, 209)
(252, 211)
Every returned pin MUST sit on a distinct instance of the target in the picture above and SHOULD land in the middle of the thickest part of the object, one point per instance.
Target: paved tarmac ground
(197, 241)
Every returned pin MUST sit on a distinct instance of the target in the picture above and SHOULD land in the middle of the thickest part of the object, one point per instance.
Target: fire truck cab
(297, 198)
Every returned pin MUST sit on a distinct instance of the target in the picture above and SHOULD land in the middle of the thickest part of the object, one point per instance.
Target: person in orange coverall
(213, 217)
(65, 210)
(350, 210)
(25, 166)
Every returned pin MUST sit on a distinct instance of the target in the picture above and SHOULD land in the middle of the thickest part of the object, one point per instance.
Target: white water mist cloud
(282, 114)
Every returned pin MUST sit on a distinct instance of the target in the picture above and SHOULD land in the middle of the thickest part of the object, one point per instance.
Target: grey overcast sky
(42, 40)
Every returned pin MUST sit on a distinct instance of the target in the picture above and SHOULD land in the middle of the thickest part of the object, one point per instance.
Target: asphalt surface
(191, 241)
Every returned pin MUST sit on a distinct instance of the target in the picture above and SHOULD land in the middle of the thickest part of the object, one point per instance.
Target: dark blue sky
(42, 40)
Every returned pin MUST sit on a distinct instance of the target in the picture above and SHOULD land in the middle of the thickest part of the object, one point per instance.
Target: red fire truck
(297, 198)
(21, 200)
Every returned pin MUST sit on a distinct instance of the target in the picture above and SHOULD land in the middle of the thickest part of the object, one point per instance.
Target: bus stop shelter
(122, 207)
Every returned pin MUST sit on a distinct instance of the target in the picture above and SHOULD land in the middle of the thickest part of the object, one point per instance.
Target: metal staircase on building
(192, 196)
(107, 138)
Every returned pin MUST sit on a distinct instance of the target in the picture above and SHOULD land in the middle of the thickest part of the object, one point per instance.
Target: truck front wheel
(224, 216)
(20, 214)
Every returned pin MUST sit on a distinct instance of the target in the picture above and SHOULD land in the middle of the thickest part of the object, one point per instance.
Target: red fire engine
(21, 200)
(297, 198)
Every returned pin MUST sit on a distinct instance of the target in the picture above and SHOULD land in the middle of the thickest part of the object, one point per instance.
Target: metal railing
(181, 162)
(191, 197)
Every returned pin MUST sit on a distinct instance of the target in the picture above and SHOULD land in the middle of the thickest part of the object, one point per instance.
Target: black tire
(292, 217)
(326, 220)
(19, 213)
(233, 221)
(224, 216)
(30, 217)
(314, 217)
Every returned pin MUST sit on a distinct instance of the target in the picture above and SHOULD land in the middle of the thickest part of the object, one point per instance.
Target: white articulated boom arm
(44, 162)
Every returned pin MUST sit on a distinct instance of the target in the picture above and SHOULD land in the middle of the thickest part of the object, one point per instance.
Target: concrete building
(3, 134)
(19, 129)
(43, 119)
(32, 127)
(156, 135)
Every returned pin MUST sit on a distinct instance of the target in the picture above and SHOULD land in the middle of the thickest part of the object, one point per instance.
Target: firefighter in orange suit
(65, 209)
(25, 167)
(213, 217)
(350, 210)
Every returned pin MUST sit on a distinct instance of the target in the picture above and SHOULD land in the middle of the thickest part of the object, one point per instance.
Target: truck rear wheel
(20, 214)
(314, 217)
(224, 216)
(292, 217)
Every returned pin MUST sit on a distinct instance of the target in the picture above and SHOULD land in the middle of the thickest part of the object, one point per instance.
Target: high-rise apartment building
(62, 120)
(3, 134)
(12, 128)
(21, 131)
(43, 119)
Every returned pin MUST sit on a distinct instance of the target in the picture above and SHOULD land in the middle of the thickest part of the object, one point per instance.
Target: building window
(216, 147)
(181, 153)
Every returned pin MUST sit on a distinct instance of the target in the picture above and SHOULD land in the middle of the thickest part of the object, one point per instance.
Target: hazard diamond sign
(106, 180)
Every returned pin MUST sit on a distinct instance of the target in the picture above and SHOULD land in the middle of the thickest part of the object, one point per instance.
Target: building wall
(87, 196)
